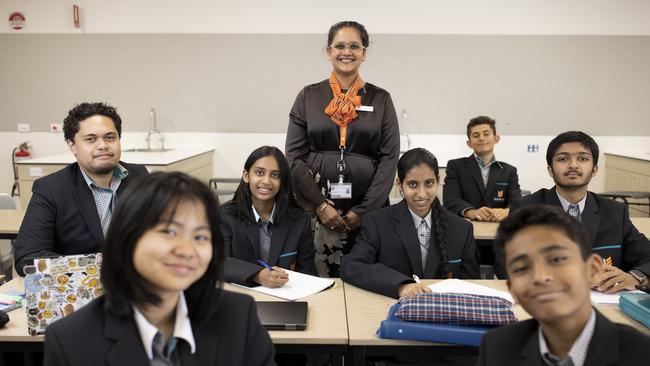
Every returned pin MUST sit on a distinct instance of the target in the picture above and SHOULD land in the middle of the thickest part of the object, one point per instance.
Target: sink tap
(155, 131)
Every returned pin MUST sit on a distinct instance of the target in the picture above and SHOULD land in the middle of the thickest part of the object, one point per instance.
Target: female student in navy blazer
(389, 251)
(264, 209)
(162, 276)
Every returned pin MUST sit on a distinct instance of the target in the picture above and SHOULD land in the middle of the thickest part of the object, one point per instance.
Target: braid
(440, 231)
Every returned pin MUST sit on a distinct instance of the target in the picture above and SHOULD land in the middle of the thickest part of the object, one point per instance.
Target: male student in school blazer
(551, 265)
(466, 191)
(387, 253)
(62, 216)
(292, 247)
(572, 159)
(233, 337)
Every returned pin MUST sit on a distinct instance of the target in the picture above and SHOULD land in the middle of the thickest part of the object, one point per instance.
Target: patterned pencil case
(454, 308)
(57, 287)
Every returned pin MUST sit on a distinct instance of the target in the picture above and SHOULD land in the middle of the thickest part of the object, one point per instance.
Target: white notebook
(299, 285)
(457, 286)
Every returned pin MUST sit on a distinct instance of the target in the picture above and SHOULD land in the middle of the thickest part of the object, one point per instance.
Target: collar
(119, 172)
(258, 217)
(417, 219)
(483, 165)
(578, 351)
(182, 327)
(565, 204)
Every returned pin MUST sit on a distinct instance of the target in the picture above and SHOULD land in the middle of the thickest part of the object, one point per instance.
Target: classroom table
(10, 221)
(327, 326)
(488, 230)
(327, 330)
(367, 309)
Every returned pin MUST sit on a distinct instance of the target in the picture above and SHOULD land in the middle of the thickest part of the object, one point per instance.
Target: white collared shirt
(182, 327)
(578, 351)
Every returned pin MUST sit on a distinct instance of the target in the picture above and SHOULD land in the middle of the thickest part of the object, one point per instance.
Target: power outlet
(23, 127)
(56, 127)
(532, 148)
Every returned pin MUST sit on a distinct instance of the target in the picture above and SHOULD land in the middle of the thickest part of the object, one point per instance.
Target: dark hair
(285, 202)
(571, 136)
(410, 160)
(85, 110)
(363, 33)
(481, 120)
(143, 205)
(543, 215)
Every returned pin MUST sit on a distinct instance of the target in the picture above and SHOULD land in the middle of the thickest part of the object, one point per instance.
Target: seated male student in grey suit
(70, 210)
(480, 187)
(263, 222)
(572, 159)
(551, 266)
(163, 301)
(414, 237)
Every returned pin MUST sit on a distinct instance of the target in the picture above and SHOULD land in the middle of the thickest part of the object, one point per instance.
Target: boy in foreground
(550, 266)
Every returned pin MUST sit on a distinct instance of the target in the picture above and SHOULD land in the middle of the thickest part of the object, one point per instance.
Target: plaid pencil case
(453, 308)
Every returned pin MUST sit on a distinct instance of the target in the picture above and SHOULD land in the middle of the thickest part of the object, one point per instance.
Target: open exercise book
(464, 287)
(300, 285)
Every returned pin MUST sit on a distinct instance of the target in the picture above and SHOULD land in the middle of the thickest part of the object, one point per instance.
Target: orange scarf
(342, 107)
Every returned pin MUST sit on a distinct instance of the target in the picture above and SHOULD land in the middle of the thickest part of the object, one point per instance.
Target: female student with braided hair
(416, 236)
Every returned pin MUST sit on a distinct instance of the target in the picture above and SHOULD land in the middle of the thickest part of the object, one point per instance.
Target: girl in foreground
(162, 276)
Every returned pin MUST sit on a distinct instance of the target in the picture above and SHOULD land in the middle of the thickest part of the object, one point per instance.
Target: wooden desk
(10, 221)
(488, 230)
(327, 328)
(326, 318)
(367, 309)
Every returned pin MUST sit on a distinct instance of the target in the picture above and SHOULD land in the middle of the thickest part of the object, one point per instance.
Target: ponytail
(440, 232)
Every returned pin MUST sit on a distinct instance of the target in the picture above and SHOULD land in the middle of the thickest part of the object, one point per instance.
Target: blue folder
(394, 328)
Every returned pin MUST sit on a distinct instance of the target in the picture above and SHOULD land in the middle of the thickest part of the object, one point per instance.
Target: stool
(625, 195)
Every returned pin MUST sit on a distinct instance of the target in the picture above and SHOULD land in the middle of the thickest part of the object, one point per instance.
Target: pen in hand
(274, 277)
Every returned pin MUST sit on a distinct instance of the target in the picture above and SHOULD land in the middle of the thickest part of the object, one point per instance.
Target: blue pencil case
(636, 306)
(394, 328)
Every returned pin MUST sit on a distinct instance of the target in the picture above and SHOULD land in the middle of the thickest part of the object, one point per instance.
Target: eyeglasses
(353, 47)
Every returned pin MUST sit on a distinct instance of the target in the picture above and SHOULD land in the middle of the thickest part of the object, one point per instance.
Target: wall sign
(16, 20)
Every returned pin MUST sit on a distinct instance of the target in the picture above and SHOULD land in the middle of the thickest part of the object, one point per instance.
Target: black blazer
(61, 218)
(387, 252)
(464, 187)
(518, 344)
(93, 336)
(609, 227)
(292, 247)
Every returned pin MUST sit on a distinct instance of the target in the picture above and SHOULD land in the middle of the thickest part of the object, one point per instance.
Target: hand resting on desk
(411, 289)
(612, 279)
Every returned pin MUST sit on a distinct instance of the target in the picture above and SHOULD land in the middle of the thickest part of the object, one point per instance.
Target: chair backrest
(7, 202)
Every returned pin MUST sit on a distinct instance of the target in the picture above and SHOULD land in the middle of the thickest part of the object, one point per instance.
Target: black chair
(625, 195)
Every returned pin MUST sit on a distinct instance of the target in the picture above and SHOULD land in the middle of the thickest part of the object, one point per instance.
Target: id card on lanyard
(341, 190)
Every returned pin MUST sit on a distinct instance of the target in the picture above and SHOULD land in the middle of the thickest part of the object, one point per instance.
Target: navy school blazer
(292, 246)
(609, 227)
(94, 336)
(464, 188)
(387, 252)
(518, 344)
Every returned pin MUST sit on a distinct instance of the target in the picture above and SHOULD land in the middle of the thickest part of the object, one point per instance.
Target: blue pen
(264, 264)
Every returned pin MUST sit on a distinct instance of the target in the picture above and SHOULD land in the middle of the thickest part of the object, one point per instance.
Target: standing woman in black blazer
(264, 223)
(414, 237)
(162, 276)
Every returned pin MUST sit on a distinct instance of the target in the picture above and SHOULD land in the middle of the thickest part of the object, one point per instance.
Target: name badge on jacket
(340, 191)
